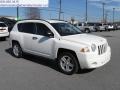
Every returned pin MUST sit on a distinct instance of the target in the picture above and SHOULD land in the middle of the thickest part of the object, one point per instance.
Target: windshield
(65, 29)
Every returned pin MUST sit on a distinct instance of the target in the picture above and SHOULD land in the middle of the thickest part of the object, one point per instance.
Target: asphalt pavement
(36, 73)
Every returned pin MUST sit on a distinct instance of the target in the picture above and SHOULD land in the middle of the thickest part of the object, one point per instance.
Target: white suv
(61, 41)
(3, 30)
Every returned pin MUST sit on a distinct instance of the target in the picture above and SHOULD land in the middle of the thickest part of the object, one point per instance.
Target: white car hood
(85, 39)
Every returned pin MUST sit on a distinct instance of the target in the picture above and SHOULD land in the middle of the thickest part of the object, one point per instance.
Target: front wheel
(17, 51)
(68, 63)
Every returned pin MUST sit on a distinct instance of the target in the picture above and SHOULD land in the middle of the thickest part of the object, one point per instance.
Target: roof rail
(42, 20)
(33, 19)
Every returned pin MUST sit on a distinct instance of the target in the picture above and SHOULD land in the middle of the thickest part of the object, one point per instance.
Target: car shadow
(85, 71)
(37, 59)
(45, 62)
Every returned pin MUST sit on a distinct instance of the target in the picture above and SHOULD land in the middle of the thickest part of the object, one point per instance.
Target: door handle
(34, 38)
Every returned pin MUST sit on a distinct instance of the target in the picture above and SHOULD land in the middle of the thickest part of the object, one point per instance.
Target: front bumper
(110, 28)
(92, 60)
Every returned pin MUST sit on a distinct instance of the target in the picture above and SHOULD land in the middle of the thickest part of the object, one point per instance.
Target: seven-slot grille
(102, 49)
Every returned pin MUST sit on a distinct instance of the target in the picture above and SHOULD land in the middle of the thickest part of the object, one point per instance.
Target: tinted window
(80, 24)
(20, 27)
(2, 25)
(90, 24)
(42, 29)
(27, 28)
(98, 24)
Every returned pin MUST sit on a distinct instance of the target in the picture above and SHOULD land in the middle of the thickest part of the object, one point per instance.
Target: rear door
(28, 31)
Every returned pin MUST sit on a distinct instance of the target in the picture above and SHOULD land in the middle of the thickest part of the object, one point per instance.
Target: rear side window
(2, 25)
(27, 28)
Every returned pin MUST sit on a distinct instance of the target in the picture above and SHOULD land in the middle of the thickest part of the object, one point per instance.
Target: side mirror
(50, 35)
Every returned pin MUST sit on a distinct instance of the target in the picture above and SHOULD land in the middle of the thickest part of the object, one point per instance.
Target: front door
(43, 44)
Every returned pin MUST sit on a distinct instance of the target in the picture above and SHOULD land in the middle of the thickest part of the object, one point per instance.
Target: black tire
(96, 30)
(17, 50)
(105, 29)
(3, 38)
(73, 63)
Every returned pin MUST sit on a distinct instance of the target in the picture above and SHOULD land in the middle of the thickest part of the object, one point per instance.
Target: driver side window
(42, 29)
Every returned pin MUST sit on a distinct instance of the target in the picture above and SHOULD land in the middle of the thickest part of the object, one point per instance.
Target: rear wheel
(3, 38)
(17, 51)
(68, 63)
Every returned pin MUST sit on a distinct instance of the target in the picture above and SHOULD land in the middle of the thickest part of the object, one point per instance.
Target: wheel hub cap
(16, 50)
(66, 64)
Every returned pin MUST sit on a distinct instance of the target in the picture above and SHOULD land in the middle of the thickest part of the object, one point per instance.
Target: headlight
(93, 47)
(86, 49)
